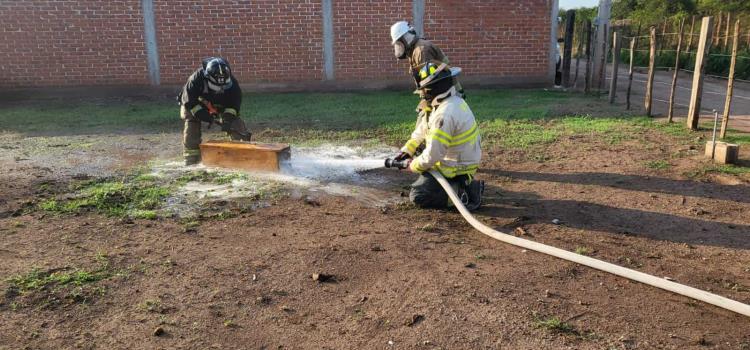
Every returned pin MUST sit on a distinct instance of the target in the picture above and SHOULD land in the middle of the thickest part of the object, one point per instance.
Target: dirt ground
(393, 277)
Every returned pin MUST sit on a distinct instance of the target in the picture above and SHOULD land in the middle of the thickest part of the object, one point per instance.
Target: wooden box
(726, 153)
(245, 155)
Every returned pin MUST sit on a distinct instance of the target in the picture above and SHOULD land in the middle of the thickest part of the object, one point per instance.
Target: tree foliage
(655, 11)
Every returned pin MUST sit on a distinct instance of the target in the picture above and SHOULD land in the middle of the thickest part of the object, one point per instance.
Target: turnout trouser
(191, 135)
(426, 192)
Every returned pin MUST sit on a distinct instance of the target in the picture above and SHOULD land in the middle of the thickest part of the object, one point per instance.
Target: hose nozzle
(398, 164)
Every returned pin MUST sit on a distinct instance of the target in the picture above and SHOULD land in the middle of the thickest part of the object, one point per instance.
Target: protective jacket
(196, 88)
(451, 134)
(424, 51)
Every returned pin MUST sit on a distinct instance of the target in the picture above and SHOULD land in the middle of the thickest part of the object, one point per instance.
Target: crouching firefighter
(211, 95)
(452, 143)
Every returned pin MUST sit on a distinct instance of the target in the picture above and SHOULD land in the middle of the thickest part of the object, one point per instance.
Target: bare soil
(395, 277)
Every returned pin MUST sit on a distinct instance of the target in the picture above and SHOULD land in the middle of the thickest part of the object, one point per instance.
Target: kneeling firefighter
(453, 143)
(211, 95)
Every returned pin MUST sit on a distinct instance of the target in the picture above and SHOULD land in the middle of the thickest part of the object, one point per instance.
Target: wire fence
(677, 49)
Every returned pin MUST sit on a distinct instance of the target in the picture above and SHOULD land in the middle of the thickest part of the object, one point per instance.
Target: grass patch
(554, 324)
(728, 169)
(387, 116)
(214, 177)
(37, 279)
(517, 134)
(658, 164)
(151, 305)
(734, 137)
(138, 199)
(583, 251)
(47, 288)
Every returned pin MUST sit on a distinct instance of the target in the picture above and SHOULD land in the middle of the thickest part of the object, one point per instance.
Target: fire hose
(634, 275)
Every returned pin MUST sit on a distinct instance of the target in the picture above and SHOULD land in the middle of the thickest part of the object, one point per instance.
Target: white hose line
(645, 278)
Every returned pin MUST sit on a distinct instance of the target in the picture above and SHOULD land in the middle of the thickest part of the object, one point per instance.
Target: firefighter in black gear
(211, 95)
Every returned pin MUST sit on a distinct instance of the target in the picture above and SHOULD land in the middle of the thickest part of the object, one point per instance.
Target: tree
(654, 11)
(713, 6)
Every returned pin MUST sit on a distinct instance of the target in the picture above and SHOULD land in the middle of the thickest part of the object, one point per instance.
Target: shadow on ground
(643, 183)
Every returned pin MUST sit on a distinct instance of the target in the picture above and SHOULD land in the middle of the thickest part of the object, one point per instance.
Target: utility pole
(601, 23)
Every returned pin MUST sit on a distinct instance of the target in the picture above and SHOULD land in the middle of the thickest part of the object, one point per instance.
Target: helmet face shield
(399, 50)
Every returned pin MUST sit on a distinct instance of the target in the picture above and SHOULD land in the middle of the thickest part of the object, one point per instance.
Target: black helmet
(217, 71)
(433, 72)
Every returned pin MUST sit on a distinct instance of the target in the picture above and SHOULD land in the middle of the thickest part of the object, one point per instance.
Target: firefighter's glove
(203, 115)
(402, 156)
(227, 119)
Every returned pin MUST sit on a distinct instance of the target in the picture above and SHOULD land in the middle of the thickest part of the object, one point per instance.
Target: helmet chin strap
(215, 88)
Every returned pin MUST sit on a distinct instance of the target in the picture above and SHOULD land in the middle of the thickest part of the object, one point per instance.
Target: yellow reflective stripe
(439, 138)
(416, 167)
(195, 109)
(231, 111)
(450, 172)
(443, 134)
(466, 139)
(463, 134)
(411, 146)
(191, 152)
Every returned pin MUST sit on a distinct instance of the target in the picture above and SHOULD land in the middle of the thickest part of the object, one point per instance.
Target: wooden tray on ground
(245, 155)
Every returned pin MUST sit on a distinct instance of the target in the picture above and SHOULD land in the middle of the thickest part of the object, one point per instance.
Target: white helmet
(399, 29)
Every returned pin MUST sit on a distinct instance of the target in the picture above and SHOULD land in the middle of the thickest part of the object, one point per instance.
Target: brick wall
(92, 42)
(263, 40)
(489, 37)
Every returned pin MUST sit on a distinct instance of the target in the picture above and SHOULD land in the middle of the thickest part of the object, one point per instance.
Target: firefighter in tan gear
(211, 95)
(407, 44)
(452, 139)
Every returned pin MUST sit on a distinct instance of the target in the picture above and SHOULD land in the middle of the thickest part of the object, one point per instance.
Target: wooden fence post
(730, 85)
(630, 72)
(704, 45)
(567, 50)
(578, 56)
(663, 40)
(715, 40)
(690, 37)
(615, 66)
(587, 74)
(651, 63)
(726, 32)
(602, 76)
(670, 113)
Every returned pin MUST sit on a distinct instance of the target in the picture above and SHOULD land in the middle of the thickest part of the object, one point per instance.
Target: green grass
(330, 116)
(583, 251)
(554, 324)
(728, 169)
(218, 178)
(37, 279)
(658, 164)
(138, 198)
(519, 119)
(47, 288)
(735, 137)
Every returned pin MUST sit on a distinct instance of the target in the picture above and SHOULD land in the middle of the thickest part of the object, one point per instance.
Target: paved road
(714, 94)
